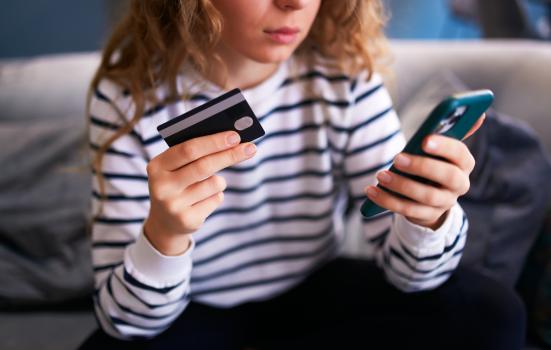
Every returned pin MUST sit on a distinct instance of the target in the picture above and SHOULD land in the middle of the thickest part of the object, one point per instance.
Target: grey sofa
(51, 90)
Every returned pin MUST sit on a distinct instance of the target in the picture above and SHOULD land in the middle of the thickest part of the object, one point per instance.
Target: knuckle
(150, 167)
(188, 151)
(399, 184)
(221, 141)
(461, 147)
(407, 189)
(236, 155)
(190, 221)
(408, 210)
(451, 201)
(202, 168)
(171, 207)
(449, 178)
(466, 186)
(220, 197)
(424, 167)
(456, 147)
(157, 190)
(431, 198)
(398, 206)
(471, 163)
(196, 225)
(463, 151)
(184, 218)
(219, 182)
(457, 179)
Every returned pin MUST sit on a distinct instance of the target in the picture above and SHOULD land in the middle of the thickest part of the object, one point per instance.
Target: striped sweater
(327, 134)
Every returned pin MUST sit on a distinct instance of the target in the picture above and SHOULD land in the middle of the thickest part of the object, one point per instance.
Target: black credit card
(229, 111)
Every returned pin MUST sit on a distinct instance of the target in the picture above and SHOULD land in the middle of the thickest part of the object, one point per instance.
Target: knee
(500, 306)
(496, 313)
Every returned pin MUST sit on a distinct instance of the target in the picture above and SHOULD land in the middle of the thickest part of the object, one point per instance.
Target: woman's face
(265, 31)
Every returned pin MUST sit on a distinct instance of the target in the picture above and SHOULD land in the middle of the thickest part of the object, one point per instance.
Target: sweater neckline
(197, 84)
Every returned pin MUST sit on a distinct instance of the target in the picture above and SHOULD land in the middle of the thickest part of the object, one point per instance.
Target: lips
(283, 30)
(283, 35)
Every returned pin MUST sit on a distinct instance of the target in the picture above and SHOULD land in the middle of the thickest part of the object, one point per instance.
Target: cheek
(242, 31)
(310, 15)
(241, 17)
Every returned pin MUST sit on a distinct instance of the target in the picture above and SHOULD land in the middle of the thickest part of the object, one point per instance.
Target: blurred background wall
(468, 19)
(33, 27)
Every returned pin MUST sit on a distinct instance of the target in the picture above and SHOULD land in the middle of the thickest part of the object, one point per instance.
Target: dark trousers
(348, 304)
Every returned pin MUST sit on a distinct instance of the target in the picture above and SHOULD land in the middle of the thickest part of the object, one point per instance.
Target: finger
(476, 126)
(417, 191)
(203, 189)
(454, 151)
(186, 152)
(404, 206)
(441, 172)
(207, 166)
(198, 213)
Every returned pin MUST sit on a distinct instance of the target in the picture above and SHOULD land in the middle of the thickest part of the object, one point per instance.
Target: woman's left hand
(427, 205)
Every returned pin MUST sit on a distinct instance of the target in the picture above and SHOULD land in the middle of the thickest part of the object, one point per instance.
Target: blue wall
(426, 19)
(32, 27)
(431, 19)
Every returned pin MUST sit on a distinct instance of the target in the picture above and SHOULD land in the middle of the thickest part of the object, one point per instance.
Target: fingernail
(384, 177)
(250, 149)
(431, 145)
(233, 139)
(402, 160)
(372, 191)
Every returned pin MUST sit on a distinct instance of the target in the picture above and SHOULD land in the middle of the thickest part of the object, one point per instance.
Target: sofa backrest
(519, 73)
(46, 87)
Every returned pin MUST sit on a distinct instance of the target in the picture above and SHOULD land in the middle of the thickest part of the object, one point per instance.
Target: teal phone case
(452, 117)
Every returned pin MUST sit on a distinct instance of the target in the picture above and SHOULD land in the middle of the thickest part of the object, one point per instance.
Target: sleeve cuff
(422, 240)
(149, 266)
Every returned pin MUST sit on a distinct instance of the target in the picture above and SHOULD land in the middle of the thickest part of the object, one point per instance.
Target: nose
(287, 5)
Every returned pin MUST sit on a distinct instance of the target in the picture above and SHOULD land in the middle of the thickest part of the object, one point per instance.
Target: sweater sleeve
(138, 291)
(413, 257)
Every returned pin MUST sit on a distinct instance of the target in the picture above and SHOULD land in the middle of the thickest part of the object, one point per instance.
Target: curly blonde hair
(150, 44)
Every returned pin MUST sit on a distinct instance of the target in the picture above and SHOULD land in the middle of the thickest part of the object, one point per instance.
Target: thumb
(476, 126)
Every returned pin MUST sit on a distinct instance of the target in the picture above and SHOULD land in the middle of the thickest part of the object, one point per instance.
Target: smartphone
(453, 117)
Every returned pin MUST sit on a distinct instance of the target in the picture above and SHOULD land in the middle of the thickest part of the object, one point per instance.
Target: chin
(273, 55)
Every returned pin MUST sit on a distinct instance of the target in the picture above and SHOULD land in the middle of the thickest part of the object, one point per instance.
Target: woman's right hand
(184, 190)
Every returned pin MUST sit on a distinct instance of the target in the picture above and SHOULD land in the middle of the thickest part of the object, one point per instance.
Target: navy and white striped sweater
(326, 137)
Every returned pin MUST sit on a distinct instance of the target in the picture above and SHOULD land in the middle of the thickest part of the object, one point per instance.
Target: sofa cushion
(45, 186)
(45, 181)
(58, 330)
